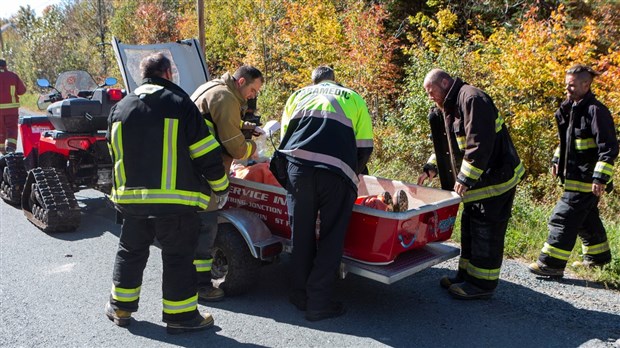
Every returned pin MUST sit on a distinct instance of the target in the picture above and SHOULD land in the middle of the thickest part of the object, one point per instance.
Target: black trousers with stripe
(177, 235)
(312, 193)
(206, 240)
(483, 229)
(575, 214)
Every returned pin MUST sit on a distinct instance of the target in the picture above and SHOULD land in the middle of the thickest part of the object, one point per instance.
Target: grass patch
(527, 231)
(28, 102)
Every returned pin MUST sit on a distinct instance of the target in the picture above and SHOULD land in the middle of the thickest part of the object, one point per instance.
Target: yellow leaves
(523, 70)
(435, 32)
(446, 21)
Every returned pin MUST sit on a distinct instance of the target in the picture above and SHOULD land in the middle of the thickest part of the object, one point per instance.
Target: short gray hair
(435, 76)
(323, 73)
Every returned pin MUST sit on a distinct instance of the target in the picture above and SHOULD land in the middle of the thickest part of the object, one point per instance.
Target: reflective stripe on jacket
(490, 165)
(328, 126)
(221, 104)
(162, 151)
(588, 144)
(11, 87)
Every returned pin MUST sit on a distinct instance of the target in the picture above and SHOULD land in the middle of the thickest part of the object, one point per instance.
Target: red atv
(63, 152)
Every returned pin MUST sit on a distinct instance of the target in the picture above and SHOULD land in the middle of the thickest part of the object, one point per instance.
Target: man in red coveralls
(11, 87)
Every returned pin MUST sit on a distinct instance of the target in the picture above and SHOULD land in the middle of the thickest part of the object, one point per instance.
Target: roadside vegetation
(516, 50)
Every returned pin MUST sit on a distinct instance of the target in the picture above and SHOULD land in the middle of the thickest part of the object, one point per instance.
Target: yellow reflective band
(499, 121)
(157, 196)
(556, 153)
(463, 263)
(203, 147)
(210, 126)
(595, 249)
(470, 171)
(219, 185)
(11, 141)
(584, 144)
(577, 186)
(125, 295)
(9, 105)
(248, 150)
(176, 307)
(555, 252)
(116, 147)
(169, 151)
(483, 273)
(494, 190)
(461, 142)
(604, 167)
(203, 265)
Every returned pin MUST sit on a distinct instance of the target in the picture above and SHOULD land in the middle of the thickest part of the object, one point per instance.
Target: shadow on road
(418, 312)
(158, 333)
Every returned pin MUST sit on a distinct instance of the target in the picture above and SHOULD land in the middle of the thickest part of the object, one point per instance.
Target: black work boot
(210, 293)
(468, 291)
(333, 310)
(199, 322)
(118, 316)
(541, 269)
(447, 281)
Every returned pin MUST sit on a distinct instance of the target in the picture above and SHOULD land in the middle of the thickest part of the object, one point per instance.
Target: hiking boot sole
(401, 202)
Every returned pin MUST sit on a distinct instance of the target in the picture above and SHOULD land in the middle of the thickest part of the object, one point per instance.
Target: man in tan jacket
(222, 103)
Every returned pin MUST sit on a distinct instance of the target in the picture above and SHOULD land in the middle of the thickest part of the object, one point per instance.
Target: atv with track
(64, 151)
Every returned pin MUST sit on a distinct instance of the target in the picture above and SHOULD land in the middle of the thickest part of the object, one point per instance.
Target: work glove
(221, 199)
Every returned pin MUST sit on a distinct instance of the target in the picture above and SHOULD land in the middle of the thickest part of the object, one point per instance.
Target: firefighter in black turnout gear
(487, 177)
(584, 164)
(164, 158)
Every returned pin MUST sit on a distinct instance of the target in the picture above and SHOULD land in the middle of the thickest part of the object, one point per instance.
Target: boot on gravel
(589, 264)
(541, 269)
(468, 291)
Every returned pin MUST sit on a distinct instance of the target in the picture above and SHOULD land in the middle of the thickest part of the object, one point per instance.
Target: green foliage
(65, 37)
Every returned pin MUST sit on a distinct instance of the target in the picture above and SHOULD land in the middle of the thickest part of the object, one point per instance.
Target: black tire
(234, 267)
(49, 202)
(12, 177)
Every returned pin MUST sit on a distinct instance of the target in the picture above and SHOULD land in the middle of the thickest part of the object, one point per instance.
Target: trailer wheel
(234, 267)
